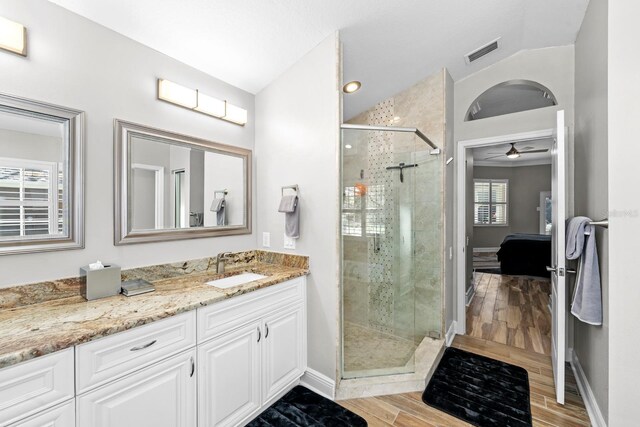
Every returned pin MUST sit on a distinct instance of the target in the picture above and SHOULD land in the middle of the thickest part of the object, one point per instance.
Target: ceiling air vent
(479, 53)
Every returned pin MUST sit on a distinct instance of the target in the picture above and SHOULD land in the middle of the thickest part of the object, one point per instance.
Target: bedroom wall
(525, 185)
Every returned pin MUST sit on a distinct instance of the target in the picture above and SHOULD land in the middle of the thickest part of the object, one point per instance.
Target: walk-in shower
(391, 248)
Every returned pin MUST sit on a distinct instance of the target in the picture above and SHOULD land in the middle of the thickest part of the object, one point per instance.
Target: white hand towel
(290, 207)
(587, 295)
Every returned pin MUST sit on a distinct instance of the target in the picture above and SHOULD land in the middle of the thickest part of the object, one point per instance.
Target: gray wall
(591, 185)
(525, 185)
(76, 63)
(297, 140)
(624, 211)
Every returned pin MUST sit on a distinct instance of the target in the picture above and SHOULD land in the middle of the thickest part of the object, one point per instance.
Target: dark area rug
(302, 407)
(490, 270)
(481, 391)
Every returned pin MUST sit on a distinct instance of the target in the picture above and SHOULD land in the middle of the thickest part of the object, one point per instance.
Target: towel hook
(293, 187)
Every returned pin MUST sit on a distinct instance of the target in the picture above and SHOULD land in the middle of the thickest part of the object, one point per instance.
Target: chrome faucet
(220, 259)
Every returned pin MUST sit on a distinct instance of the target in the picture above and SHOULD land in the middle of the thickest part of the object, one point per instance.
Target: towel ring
(223, 192)
(289, 187)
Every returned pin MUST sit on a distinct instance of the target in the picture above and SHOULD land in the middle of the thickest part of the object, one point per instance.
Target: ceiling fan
(514, 153)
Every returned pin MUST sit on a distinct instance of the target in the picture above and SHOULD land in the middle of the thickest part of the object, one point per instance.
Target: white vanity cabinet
(247, 366)
(163, 395)
(61, 416)
(219, 365)
(34, 386)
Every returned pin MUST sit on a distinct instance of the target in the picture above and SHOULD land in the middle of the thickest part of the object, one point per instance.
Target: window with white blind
(363, 213)
(491, 202)
(30, 198)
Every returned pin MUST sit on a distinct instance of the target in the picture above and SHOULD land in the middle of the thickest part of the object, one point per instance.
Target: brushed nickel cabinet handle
(142, 347)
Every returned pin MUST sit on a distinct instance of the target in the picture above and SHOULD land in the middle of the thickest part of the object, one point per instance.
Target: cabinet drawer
(60, 416)
(35, 385)
(234, 312)
(107, 359)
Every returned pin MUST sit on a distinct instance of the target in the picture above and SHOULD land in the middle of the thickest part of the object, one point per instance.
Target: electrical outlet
(289, 243)
(266, 239)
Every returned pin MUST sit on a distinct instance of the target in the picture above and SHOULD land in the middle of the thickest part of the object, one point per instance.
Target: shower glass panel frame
(385, 243)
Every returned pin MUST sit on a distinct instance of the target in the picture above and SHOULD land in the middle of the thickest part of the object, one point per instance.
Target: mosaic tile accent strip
(380, 220)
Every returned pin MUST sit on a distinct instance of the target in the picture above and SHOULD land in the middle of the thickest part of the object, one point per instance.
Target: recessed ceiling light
(348, 146)
(351, 86)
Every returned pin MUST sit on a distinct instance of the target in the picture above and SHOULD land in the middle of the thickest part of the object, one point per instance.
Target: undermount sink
(238, 279)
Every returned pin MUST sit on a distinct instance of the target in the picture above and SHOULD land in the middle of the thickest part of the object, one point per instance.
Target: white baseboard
(321, 384)
(595, 415)
(469, 295)
(486, 249)
(451, 333)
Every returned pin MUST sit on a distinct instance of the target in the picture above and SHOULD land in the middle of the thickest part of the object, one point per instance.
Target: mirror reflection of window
(32, 176)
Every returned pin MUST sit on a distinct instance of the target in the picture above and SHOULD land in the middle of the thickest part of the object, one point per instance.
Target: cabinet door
(229, 377)
(162, 395)
(283, 350)
(60, 416)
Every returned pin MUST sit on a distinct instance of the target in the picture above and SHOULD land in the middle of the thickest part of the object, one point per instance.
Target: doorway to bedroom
(508, 218)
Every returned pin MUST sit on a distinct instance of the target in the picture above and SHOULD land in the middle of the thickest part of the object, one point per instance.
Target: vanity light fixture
(352, 87)
(211, 106)
(197, 101)
(176, 94)
(13, 37)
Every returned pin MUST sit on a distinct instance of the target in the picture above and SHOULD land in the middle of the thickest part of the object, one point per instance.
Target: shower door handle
(376, 243)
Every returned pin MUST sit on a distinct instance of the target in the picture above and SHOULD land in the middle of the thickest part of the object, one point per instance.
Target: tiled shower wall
(394, 284)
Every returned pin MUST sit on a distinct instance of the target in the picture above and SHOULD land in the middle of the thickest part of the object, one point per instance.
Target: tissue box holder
(101, 283)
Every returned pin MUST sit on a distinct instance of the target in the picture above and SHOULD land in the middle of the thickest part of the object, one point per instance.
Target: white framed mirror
(41, 176)
(171, 186)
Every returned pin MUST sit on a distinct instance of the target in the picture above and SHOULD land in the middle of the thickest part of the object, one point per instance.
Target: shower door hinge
(434, 152)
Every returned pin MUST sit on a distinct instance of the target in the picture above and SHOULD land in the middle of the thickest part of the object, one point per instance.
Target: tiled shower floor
(367, 351)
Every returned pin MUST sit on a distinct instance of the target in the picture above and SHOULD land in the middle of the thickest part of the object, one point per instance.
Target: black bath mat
(302, 407)
(481, 391)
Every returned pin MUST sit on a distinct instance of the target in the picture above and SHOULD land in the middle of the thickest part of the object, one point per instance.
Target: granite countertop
(44, 318)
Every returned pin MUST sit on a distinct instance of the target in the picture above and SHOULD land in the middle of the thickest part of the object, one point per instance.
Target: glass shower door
(378, 247)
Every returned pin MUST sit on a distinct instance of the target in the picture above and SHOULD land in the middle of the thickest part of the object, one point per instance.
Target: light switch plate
(266, 239)
(289, 243)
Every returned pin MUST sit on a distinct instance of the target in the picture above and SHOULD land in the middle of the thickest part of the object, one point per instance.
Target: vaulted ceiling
(388, 44)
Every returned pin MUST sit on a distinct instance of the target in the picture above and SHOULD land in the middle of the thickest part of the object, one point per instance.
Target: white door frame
(461, 208)
(159, 191)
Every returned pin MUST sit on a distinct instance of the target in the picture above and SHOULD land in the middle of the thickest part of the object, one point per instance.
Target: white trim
(469, 295)
(511, 164)
(460, 209)
(590, 403)
(319, 383)
(486, 249)
(451, 333)
(159, 190)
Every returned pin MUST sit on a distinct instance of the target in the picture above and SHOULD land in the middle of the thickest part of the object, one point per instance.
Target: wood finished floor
(407, 409)
(511, 310)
